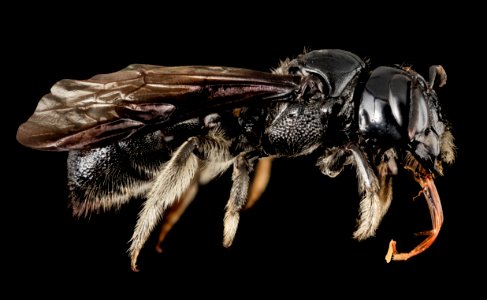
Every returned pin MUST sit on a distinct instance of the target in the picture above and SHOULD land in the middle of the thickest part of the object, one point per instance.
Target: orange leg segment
(434, 204)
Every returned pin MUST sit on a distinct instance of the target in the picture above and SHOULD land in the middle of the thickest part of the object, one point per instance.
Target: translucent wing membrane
(80, 114)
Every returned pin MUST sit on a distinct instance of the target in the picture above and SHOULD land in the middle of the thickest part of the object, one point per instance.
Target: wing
(82, 114)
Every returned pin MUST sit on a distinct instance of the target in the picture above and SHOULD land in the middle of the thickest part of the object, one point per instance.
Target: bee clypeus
(160, 132)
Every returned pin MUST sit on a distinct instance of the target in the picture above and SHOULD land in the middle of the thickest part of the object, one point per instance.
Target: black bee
(160, 132)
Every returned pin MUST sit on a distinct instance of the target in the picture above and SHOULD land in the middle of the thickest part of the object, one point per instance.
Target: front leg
(428, 189)
(376, 194)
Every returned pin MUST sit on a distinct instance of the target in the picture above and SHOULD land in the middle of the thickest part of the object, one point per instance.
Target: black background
(297, 238)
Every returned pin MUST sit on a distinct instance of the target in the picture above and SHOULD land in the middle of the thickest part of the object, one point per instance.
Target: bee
(160, 132)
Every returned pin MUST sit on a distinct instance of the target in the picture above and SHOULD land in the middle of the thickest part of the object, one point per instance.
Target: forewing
(81, 114)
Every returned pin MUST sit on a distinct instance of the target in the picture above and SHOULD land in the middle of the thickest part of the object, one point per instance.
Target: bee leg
(242, 167)
(175, 212)
(260, 180)
(436, 212)
(386, 170)
(371, 209)
(172, 181)
(333, 161)
(376, 192)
